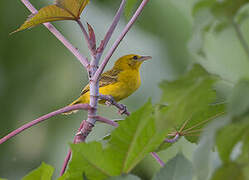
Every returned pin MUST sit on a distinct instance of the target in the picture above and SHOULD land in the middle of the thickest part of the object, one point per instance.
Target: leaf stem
(241, 37)
(43, 118)
(173, 140)
(83, 60)
(157, 158)
(119, 39)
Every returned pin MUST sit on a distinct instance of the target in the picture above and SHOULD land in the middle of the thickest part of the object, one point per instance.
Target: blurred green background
(39, 75)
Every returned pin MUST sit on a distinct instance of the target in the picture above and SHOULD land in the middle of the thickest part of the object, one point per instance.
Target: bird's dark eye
(135, 57)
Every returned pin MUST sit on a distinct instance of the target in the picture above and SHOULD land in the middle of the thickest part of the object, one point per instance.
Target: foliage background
(38, 75)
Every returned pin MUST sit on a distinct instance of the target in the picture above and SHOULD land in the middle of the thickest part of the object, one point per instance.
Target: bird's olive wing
(109, 77)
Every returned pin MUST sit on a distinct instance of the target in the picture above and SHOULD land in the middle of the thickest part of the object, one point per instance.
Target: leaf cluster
(229, 135)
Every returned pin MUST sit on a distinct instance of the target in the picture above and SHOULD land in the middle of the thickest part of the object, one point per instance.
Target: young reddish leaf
(61, 10)
(92, 37)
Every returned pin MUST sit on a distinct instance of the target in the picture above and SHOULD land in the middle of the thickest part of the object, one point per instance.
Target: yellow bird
(119, 82)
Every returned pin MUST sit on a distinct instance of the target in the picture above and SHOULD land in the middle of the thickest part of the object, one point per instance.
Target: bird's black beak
(144, 58)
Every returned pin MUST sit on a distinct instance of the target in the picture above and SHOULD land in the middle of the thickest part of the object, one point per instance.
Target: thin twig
(120, 38)
(83, 60)
(157, 158)
(112, 28)
(173, 140)
(93, 53)
(66, 161)
(42, 118)
(107, 121)
(241, 37)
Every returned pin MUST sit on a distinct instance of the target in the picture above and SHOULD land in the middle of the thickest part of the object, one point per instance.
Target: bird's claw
(122, 110)
(108, 103)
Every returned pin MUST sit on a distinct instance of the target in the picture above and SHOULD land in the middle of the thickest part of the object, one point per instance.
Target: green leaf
(44, 172)
(242, 14)
(129, 7)
(190, 101)
(61, 10)
(239, 104)
(175, 91)
(221, 9)
(202, 22)
(130, 143)
(96, 162)
(178, 168)
(202, 156)
(200, 119)
(244, 156)
(228, 137)
(227, 8)
(229, 171)
(125, 177)
(2, 179)
(213, 16)
(202, 4)
(136, 137)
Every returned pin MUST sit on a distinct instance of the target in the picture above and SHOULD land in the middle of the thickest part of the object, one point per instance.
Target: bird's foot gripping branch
(122, 109)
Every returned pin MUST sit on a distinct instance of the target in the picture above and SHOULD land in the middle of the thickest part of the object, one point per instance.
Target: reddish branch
(107, 121)
(43, 118)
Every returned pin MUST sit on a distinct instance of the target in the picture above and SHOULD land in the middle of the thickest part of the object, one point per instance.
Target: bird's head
(131, 61)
